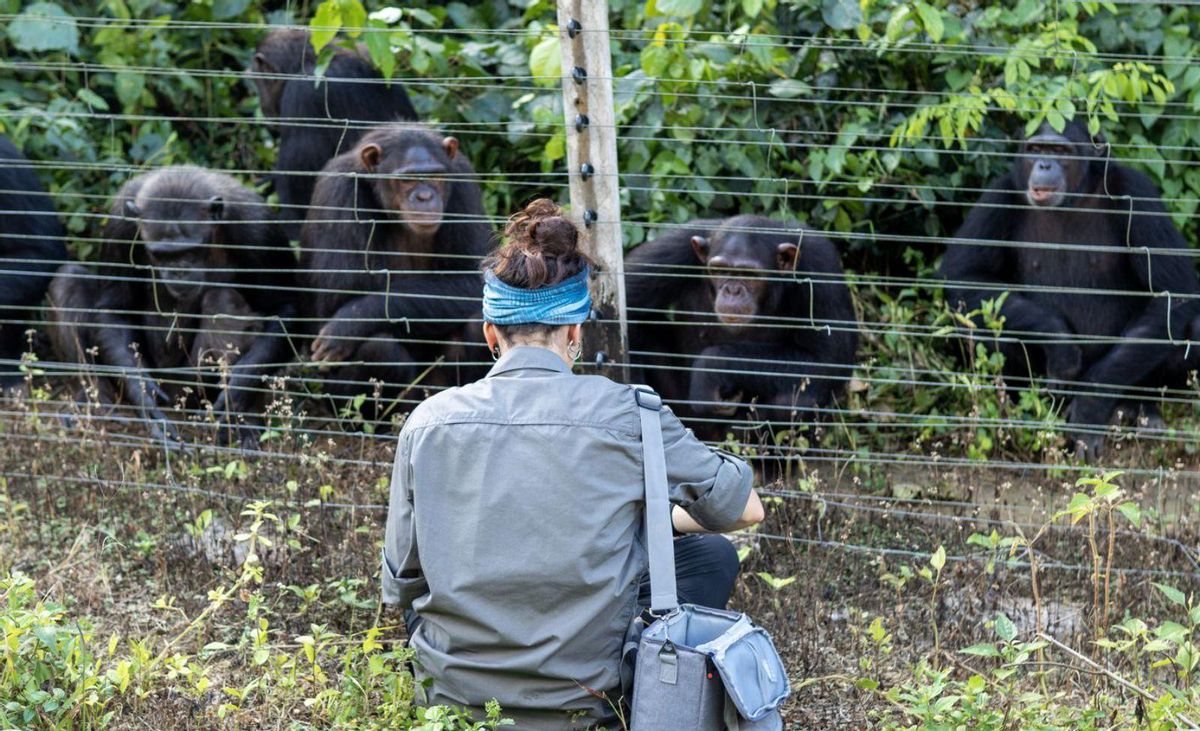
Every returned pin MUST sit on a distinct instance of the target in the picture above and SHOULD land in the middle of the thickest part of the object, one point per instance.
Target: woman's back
(515, 517)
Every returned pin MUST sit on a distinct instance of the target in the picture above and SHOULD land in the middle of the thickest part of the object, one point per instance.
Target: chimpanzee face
(1054, 168)
(416, 189)
(181, 239)
(270, 90)
(741, 267)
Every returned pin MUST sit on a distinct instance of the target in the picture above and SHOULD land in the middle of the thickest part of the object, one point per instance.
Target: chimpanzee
(190, 261)
(31, 248)
(328, 116)
(760, 310)
(1086, 256)
(390, 253)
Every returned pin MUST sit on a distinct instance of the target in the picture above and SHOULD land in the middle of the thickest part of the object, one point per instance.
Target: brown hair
(540, 249)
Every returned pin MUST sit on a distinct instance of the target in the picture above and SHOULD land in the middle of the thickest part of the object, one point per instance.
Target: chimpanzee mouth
(422, 222)
(1039, 196)
(735, 319)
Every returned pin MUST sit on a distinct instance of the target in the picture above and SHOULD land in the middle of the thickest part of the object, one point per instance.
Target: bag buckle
(647, 399)
(668, 660)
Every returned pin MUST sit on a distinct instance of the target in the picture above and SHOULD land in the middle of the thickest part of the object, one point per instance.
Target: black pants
(706, 566)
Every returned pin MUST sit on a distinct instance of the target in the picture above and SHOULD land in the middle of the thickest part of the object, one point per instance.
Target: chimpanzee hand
(231, 409)
(1092, 412)
(147, 393)
(339, 338)
(1064, 362)
(711, 392)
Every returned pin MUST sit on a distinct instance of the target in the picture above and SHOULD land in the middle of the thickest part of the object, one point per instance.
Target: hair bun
(542, 248)
(554, 236)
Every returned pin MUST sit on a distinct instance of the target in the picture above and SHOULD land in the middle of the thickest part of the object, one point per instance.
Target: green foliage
(49, 677)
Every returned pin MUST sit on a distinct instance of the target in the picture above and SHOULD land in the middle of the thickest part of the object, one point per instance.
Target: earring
(574, 349)
(496, 352)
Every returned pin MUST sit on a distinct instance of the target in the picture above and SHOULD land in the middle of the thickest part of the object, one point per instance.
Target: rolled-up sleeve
(402, 578)
(712, 486)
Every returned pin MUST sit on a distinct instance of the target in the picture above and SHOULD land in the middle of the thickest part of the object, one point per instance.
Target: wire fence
(111, 351)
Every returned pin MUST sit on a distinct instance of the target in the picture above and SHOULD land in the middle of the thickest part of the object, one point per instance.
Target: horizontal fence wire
(911, 404)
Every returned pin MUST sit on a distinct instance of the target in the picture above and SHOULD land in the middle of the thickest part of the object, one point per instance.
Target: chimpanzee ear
(216, 207)
(131, 209)
(785, 255)
(370, 157)
(700, 246)
(262, 65)
(450, 145)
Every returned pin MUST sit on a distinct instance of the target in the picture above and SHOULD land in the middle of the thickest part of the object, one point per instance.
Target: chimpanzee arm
(1155, 255)
(774, 374)
(995, 218)
(658, 271)
(659, 274)
(418, 305)
(114, 334)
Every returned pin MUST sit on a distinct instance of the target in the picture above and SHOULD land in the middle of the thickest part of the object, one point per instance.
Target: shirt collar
(529, 356)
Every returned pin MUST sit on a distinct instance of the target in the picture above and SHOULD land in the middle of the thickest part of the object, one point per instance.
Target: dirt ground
(104, 530)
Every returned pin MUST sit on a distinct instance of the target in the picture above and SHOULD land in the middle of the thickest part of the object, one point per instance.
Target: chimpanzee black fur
(739, 311)
(1086, 252)
(329, 116)
(189, 258)
(31, 248)
(391, 253)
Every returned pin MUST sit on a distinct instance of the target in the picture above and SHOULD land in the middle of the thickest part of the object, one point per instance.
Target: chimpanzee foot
(1089, 447)
(1150, 418)
(726, 405)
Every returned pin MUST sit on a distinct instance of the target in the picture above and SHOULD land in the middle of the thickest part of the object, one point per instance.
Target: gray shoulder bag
(696, 668)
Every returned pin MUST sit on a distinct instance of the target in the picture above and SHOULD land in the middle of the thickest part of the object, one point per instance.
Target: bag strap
(659, 546)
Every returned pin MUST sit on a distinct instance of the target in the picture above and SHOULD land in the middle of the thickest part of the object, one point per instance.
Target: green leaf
(789, 88)
(92, 99)
(932, 20)
(1005, 629)
(983, 649)
(1130, 510)
(380, 48)
(938, 559)
(129, 86)
(354, 17)
(326, 23)
(682, 8)
(841, 14)
(655, 60)
(44, 27)
(545, 62)
(1172, 594)
(223, 9)
(752, 7)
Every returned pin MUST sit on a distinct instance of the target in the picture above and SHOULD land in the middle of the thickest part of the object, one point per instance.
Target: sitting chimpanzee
(391, 252)
(1085, 256)
(193, 276)
(31, 248)
(327, 116)
(759, 310)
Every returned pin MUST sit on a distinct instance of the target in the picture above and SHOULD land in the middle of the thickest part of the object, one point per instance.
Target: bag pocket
(750, 668)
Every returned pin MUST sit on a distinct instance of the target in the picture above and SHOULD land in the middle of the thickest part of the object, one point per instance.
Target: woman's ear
(491, 336)
(575, 334)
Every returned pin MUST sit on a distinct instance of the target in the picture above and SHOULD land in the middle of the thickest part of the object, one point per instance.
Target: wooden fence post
(592, 160)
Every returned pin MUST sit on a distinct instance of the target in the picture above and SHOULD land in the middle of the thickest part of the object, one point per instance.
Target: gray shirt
(515, 532)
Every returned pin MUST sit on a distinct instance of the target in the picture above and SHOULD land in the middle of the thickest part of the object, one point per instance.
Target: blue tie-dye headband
(565, 303)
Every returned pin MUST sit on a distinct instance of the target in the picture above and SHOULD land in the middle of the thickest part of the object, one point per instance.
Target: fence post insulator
(581, 122)
(573, 28)
(586, 171)
(579, 73)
